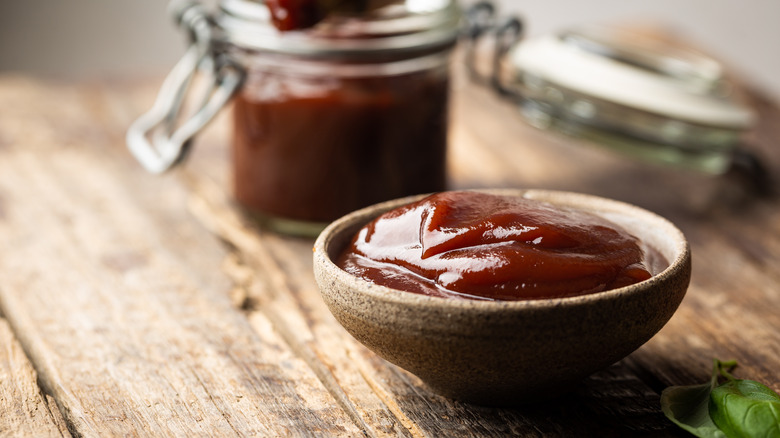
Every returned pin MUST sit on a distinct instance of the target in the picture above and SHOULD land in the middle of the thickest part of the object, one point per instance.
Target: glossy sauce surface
(481, 246)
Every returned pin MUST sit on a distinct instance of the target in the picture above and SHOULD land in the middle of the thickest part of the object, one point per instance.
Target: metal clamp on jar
(328, 119)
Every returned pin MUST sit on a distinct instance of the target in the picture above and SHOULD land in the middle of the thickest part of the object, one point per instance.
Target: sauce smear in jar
(289, 15)
(482, 246)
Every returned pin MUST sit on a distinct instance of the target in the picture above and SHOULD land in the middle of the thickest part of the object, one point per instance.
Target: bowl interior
(653, 231)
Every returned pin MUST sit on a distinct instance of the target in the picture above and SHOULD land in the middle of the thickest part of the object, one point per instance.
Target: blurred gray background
(124, 39)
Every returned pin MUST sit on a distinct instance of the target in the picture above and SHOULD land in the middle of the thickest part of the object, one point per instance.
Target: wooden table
(141, 305)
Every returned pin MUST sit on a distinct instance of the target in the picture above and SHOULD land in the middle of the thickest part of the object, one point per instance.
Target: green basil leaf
(688, 407)
(745, 408)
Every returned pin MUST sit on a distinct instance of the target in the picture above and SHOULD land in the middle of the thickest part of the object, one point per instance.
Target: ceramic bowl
(501, 352)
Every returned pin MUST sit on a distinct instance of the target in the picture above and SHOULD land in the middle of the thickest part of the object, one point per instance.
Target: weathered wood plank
(24, 410)
(736, 244)
(117, 295)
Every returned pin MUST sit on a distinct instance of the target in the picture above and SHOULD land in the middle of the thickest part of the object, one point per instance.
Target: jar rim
(416, 25)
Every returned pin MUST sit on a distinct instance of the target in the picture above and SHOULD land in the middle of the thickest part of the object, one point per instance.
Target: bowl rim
(388, 294)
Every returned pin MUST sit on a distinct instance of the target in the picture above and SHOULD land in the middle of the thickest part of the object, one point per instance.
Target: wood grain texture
(149, 305)
(273, 292)
(24, 410)
(117, 296)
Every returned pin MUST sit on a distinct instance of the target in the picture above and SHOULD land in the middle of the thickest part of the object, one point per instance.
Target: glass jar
(635, 94)
(350, 112)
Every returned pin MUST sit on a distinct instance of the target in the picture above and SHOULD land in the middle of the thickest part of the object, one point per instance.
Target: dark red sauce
(315, 148)
(295, 14)
(482, 246)
(302, 14)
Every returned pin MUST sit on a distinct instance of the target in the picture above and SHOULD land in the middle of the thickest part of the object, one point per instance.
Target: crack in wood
(22, 388)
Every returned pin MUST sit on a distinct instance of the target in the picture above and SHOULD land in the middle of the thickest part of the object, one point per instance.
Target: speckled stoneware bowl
(500, 352)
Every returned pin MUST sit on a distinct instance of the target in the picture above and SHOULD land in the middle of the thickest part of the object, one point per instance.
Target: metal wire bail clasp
(155, 139)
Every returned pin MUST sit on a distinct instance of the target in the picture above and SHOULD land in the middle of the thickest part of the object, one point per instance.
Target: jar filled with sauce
(332, 111)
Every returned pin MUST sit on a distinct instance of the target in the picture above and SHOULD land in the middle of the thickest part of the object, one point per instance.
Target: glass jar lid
(676, 83)
(635, 93)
